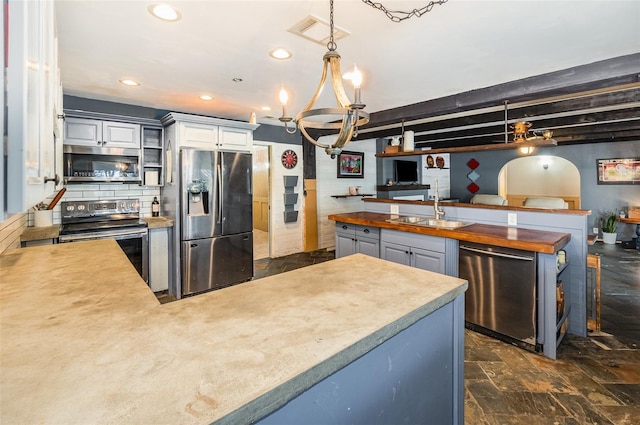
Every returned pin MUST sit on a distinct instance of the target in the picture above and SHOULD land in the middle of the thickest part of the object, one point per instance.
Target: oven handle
(119, 235)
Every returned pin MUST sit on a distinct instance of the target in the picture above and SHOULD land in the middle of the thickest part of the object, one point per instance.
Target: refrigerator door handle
(220, 197)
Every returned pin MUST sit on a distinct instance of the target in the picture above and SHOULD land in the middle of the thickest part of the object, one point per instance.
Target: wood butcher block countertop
(85, 341)
(509, 237)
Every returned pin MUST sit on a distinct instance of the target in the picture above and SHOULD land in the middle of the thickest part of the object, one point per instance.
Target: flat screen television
(405, 171)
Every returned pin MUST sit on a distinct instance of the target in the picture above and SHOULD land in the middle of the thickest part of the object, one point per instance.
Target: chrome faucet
(437, 211)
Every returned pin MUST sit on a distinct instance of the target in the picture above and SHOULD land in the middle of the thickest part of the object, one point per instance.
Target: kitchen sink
(449, 224)
(429, 222)
(411, 220)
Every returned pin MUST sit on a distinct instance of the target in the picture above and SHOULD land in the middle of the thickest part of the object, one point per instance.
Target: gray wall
(594, 197)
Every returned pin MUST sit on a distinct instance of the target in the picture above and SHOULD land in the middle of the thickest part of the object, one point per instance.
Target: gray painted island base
(416, 377)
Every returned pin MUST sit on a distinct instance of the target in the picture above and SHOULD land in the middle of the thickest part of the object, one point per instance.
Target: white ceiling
(459, 46)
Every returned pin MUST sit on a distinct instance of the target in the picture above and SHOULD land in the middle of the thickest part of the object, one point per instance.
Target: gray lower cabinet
(353, 238)
(159, 267)
(411, 249)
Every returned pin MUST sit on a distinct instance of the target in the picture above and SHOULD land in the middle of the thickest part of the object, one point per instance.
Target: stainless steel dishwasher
(501, 299)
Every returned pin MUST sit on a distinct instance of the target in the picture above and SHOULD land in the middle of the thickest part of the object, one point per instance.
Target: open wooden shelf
(479, 148)
(348, 196)
(395, 187)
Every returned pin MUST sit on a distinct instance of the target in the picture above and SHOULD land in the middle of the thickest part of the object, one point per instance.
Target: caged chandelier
(353, 114)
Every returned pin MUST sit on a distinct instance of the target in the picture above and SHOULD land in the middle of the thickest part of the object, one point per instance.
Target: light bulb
(284, 97)
(356, 77)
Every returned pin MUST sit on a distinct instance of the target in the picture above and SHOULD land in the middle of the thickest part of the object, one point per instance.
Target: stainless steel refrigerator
(216, 219)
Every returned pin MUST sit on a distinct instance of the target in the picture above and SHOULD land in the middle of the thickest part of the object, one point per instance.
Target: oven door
(134, 243)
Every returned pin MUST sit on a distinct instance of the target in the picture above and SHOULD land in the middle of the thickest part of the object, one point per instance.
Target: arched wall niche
(540, 176)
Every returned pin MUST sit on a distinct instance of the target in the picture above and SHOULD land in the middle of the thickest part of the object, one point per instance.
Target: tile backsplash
(98, 191)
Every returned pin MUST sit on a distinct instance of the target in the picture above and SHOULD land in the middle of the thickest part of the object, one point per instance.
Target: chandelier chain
(399, 15)
(331, 45)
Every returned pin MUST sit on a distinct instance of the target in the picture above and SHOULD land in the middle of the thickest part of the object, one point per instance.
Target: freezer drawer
(215, 263)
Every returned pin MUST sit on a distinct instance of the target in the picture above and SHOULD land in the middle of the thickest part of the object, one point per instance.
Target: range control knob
(81, 207)
(70, 207)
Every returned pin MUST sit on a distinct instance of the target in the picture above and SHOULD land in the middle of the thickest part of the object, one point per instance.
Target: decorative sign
(289, 159)
(619, 171)
(473, 175)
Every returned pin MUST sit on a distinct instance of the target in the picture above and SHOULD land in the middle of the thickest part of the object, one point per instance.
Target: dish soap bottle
(155, 207)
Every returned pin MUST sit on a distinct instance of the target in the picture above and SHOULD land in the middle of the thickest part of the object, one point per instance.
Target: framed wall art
(351, 165)
(618, 171)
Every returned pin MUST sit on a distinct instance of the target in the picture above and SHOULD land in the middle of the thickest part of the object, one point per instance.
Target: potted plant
(609, 227)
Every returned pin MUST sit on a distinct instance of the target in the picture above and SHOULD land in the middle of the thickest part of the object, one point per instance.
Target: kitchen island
(84, 340)
(436, 249)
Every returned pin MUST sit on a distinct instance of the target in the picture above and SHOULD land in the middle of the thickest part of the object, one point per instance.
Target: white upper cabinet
(34, 148)
(109, 134)
(196, 135)
(235, 138)
(196, 131)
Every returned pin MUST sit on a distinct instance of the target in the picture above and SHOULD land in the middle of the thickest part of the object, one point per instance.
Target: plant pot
(609, 238)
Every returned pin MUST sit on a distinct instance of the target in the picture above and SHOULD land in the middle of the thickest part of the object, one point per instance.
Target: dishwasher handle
(496, 254)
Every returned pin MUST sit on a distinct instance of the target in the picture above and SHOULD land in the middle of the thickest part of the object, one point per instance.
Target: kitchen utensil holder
(43, 218)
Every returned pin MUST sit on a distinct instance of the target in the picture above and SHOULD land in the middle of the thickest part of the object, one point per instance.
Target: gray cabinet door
(397, 253)
(120, 135)
(82, 131)
(345, 244)
(369, 247)
(427, 260)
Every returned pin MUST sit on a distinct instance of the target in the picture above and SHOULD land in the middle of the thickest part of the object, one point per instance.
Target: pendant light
(347, 116)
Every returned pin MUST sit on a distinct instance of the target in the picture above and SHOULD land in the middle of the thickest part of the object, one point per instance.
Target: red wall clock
(289, 159)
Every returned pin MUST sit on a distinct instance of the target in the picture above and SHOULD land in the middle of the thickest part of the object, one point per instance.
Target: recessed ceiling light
(237, 80)
(164, 12)
(280, 54)
(266, 108)
(206, 97)
(128, 82)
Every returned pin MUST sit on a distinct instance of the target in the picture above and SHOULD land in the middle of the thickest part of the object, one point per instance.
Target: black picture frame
(618, 170)
(350, 165)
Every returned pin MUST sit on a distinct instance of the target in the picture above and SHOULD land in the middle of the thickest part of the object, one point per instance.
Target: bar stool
(593, 264)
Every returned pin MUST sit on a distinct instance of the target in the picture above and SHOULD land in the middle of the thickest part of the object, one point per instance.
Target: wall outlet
(395, 209)
(595, 230)
(512, 219)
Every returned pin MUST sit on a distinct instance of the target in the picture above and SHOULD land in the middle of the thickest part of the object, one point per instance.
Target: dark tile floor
(595, 380)
(620, 292)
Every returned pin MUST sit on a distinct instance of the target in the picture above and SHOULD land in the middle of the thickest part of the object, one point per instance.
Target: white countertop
(85, 341)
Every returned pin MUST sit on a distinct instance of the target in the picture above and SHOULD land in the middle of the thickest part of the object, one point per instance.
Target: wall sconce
(527, 150)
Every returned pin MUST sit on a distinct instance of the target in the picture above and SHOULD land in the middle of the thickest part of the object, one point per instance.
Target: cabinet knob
(366, 230)
(344, 227)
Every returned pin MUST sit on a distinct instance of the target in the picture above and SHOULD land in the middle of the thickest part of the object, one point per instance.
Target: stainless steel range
(117, 219)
